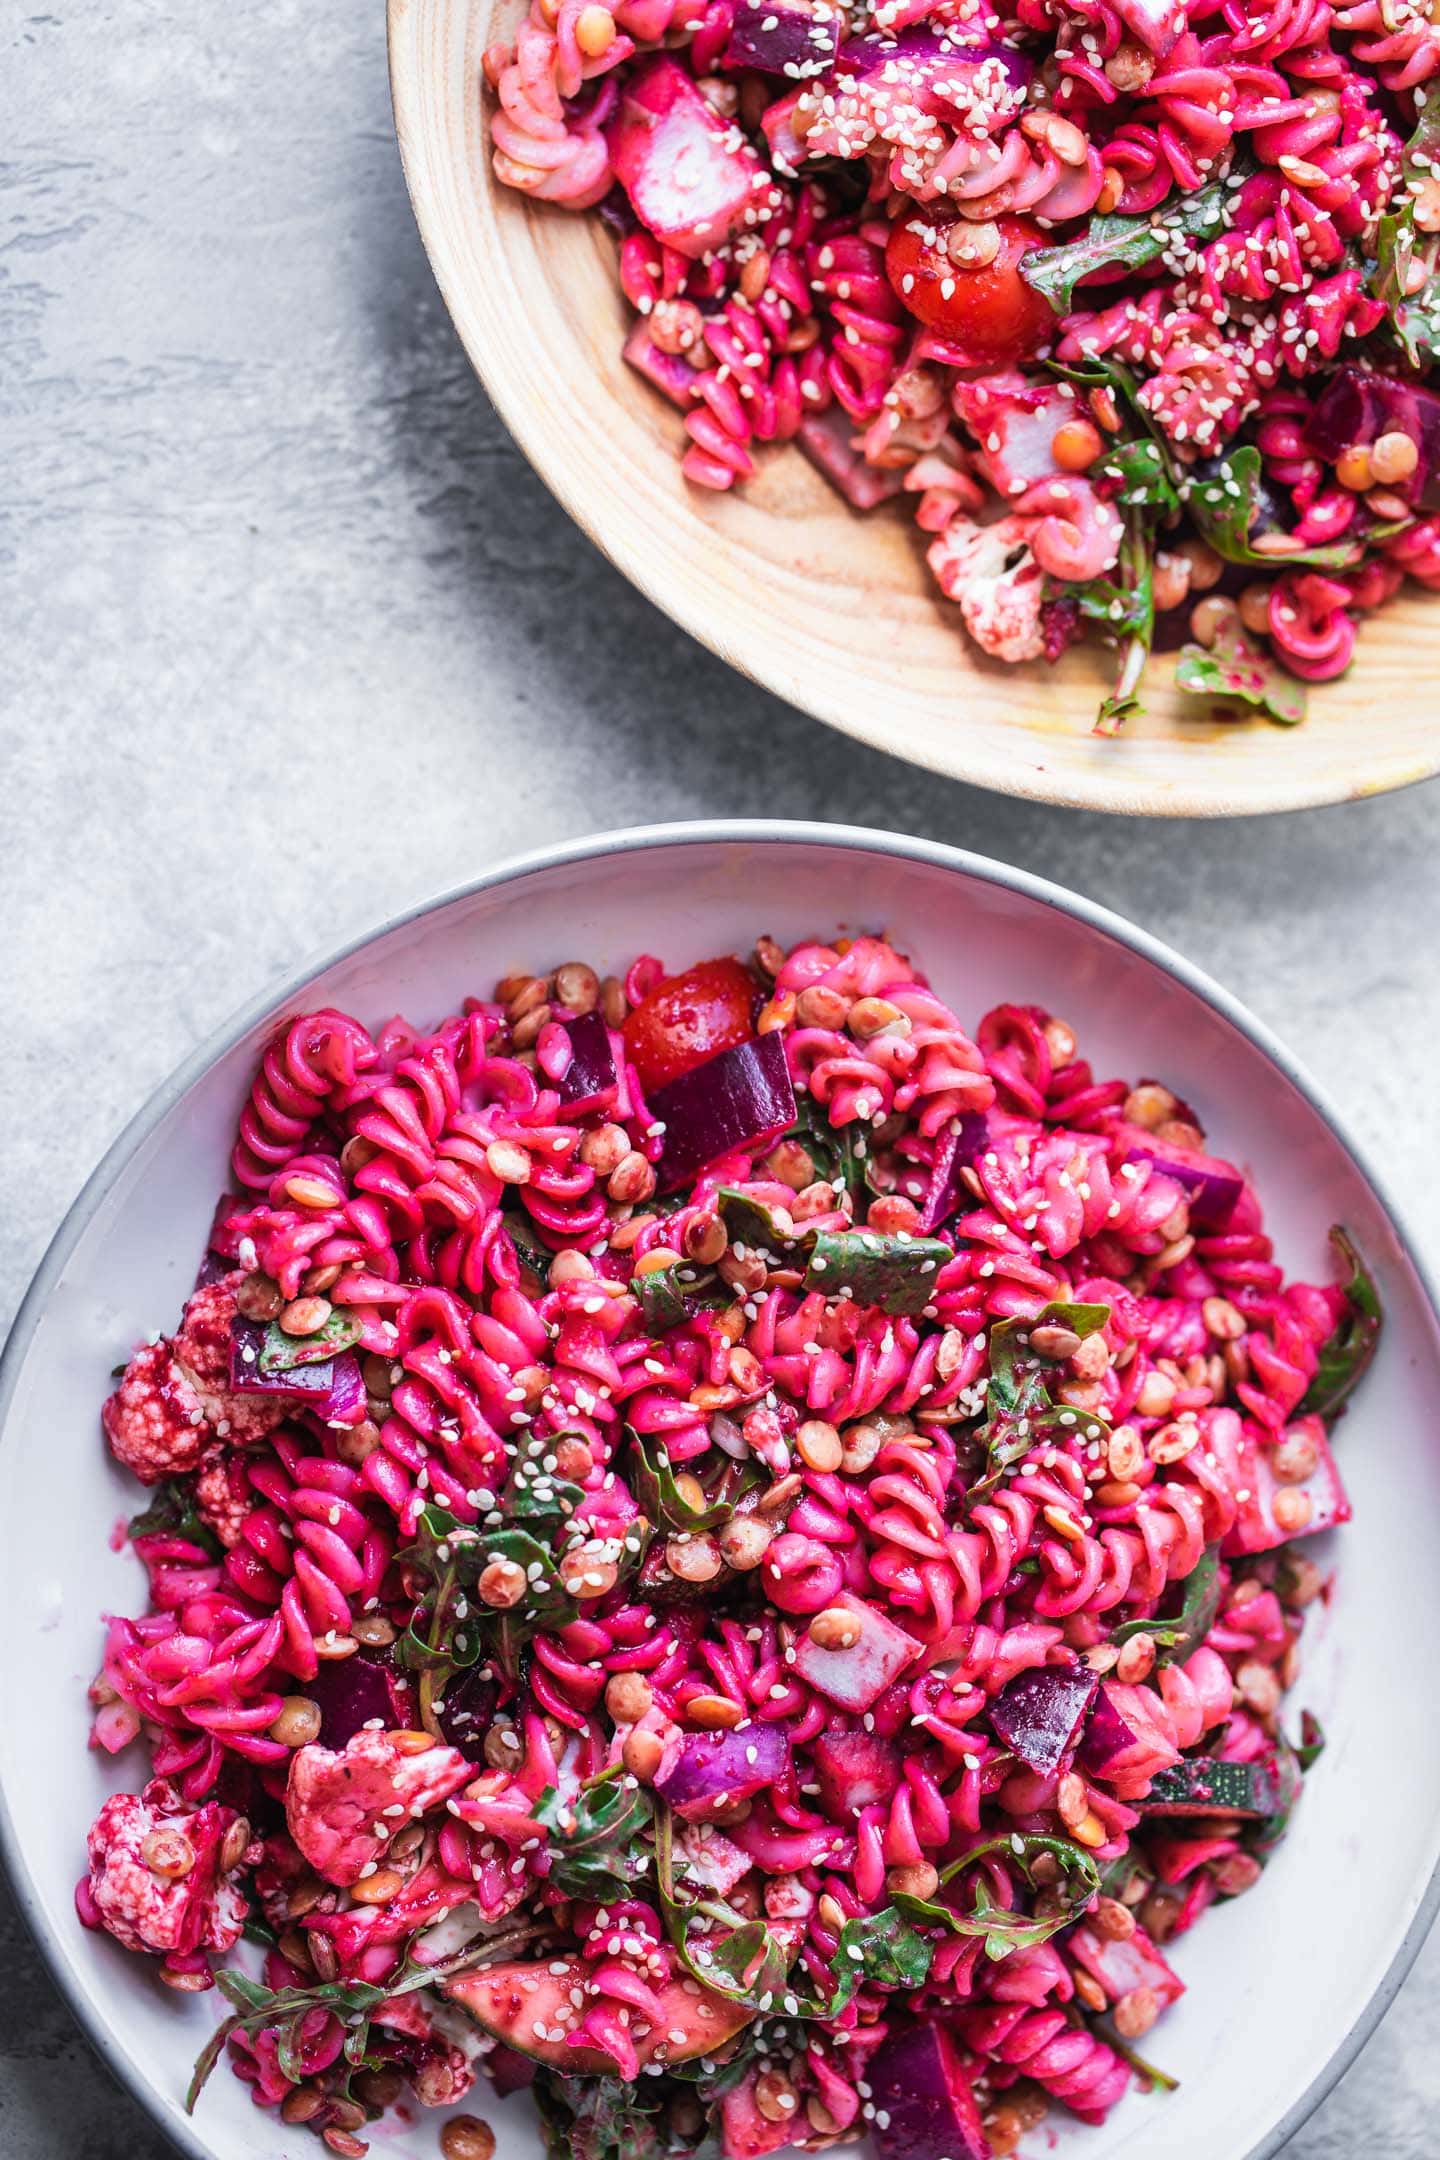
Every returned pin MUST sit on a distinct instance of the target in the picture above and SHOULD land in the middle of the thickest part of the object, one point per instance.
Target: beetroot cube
(690, 175)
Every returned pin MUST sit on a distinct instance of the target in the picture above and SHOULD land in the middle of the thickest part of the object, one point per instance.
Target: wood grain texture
(834, 611)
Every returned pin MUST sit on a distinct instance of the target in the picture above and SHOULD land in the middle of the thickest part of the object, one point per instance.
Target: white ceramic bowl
(1284, 1984)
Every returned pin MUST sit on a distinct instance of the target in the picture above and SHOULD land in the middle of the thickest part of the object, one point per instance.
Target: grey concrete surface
(289, 635)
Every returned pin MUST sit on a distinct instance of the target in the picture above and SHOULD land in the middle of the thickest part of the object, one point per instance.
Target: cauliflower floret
(343, 1808)
(991, 572)
(156, 1880)
(223, 1497)
(174, 1398)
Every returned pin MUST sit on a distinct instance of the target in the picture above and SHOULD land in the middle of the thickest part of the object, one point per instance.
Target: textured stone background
(292, 636)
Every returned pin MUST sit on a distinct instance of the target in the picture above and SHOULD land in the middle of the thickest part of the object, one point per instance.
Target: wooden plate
(834, 611)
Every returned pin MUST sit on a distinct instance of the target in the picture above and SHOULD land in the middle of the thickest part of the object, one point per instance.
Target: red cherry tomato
(688, 1017)
(988, 308)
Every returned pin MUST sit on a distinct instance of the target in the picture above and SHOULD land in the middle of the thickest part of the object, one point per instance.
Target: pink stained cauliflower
(174, 1400)
(344, 1808)
(157, 1879)
(991, 572)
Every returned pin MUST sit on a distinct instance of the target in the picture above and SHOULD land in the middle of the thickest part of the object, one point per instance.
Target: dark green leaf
(1019, 1412)
(672, 1295)
(1127, 606)
(280, 1352)
(172, 1513)
(1347, 1353)
(837, 1151)
(595, 1850)
(1414, 316)
(755, 1225)
(653, 1483)
(880, 1948)
(896, 1273)
(534, 1494)
(1141, 467)
(1179, 1638)
(1225, 504)
(1265, 1836)
(1124, 243)
(1002, 1929)
(601, 2118)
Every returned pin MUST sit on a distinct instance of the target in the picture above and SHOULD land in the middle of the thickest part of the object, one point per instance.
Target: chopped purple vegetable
(855, 1770)
(333, 1389)
(797, 38)
(740, 1098)
(1039, 1713)
(353, 1691)
(924, 2108)
(957, 1149)
(1212, 1187)
(593, 1074)
(712, 1768)
(1107, 1736)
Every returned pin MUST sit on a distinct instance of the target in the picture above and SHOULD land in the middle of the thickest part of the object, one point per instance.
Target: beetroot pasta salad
(1134, 298)
(719, 1550)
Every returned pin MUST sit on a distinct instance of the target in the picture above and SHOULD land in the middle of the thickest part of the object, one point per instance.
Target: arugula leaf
(256, 2008)
(1345, 1356)
(1019, 1412)
(1234, 668)
(1124, 243)
(280, 1352)
(1225, 504)
(1002, 1929)
(1143, 471)
(1104, 2029)
(172, 1513)
(601, 2118)
(593, 1838)
(879, 1947)
(1414, 316)
(1177, 1639)
(751, 1222)
(1127, 606)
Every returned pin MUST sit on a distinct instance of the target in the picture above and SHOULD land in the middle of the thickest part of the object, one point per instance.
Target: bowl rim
(80, 1997)
(678, 595)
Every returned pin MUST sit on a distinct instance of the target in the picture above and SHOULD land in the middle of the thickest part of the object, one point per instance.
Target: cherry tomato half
(688, 1017)
(984, 306)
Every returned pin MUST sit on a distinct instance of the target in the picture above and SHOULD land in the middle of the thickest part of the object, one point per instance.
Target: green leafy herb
(1002, 1929)
(1234, 668)
(534, 1494)
(897, 1274)
(1124, 243)
(1225, 507)
(1290, 1781)
(660, 1498)
(1312, 1740)
(257, 2008)
(172, 1513)
(1125, 604)
(881, 1948)
(280, 1352)
(1143, 471)
(1019, 1412)
(452, 1626)
(595, 1851)
(670, 1296)
(1400, 246)
(1176, 1639)
(601, 2118)
(837, 1151)
(751, 1222)
(1345, 1356)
